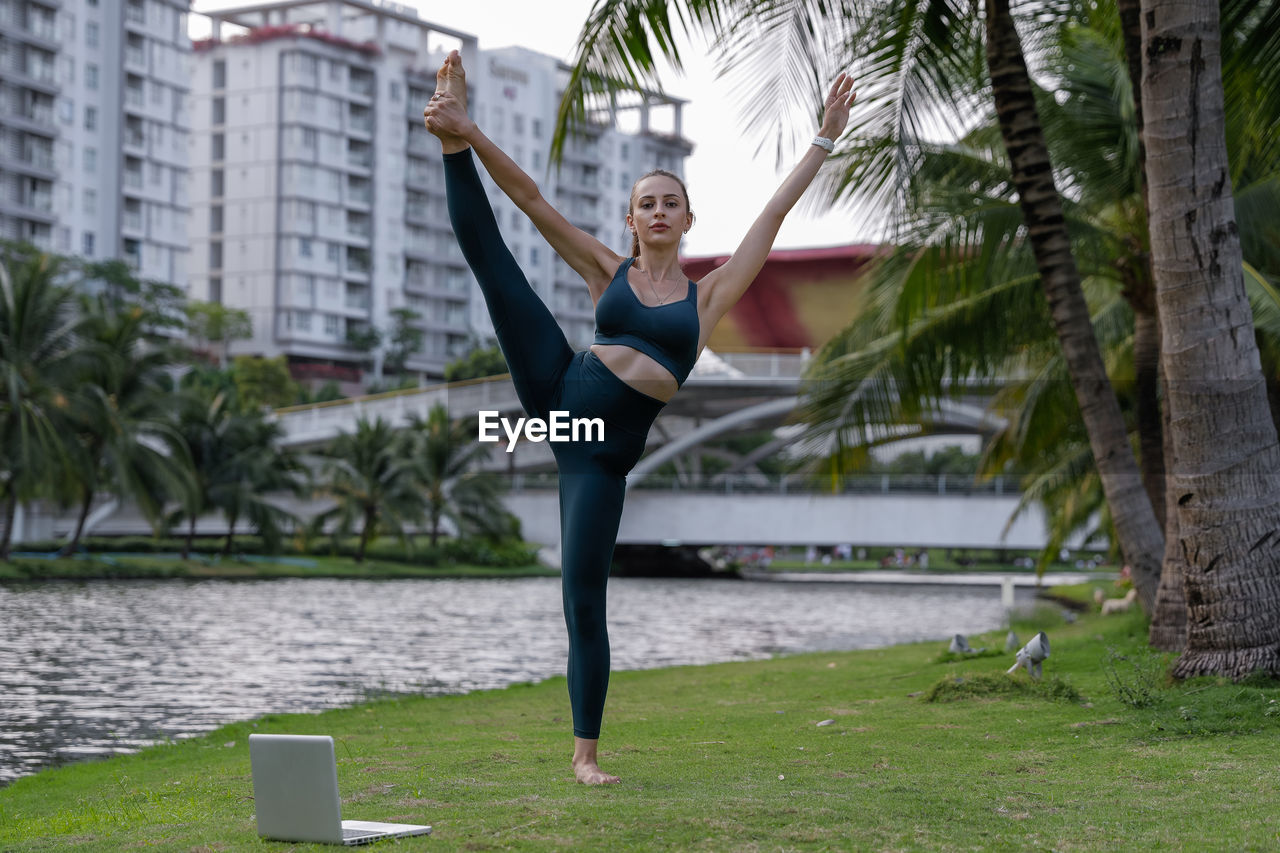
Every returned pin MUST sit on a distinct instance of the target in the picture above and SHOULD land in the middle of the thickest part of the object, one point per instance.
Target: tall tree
(445, 455)
(371, 476)
(1226, 472)
(39, 354)
(122, 413)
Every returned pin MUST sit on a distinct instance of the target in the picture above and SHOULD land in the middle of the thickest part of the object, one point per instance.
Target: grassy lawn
(733, 757)
(155, 566)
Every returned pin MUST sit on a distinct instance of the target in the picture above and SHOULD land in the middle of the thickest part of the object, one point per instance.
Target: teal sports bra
(666, 333)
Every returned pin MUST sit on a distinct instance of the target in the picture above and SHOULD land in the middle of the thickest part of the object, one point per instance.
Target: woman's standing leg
(590, 510)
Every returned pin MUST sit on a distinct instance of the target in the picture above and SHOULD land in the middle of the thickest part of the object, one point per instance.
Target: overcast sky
(728, 186)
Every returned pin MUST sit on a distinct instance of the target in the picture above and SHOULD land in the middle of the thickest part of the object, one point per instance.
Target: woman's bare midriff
(637, 370)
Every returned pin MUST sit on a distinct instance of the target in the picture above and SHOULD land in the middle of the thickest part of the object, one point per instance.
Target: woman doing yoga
(651, 324)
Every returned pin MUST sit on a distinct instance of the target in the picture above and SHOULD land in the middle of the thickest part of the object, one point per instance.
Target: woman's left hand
(836, 108)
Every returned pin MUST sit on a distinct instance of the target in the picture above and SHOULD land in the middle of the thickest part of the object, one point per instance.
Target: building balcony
(135, 57)
(131, 220)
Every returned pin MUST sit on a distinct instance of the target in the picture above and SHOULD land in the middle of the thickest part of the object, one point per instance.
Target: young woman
(651, 324)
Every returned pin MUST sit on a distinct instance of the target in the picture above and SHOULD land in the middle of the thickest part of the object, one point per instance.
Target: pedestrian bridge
(726, 392)
(873, 512)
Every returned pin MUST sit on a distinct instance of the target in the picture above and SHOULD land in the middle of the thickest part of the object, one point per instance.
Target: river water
(91, 669)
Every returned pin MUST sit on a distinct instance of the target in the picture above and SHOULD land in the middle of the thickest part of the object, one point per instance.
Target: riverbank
(132, 566)
(741, 756)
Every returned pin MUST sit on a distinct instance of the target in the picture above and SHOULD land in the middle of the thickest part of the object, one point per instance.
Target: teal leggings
(549, 376)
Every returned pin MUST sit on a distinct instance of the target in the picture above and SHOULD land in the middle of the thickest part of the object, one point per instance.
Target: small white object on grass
(826, 722)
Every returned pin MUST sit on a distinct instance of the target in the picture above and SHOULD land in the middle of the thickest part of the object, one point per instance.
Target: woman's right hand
(445, 117)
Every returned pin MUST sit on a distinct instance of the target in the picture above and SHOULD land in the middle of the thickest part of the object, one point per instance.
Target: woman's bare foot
(585, 768)
(451, 79)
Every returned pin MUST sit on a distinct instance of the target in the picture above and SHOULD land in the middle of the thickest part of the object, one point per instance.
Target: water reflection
(104, 667)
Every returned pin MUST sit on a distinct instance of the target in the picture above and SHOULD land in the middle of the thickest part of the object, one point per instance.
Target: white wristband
(825, 144)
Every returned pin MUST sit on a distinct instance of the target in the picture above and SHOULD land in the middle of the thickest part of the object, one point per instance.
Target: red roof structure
(800, 299)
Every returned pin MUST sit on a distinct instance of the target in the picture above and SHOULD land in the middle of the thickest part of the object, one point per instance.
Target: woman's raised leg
(529, 336)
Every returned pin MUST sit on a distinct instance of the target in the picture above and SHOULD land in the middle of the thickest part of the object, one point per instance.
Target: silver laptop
(295, 793)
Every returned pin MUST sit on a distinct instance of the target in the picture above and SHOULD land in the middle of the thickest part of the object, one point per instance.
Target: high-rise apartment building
(318, 195)
(94, 129)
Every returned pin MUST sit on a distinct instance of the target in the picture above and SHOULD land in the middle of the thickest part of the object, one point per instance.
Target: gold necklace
(662, 300)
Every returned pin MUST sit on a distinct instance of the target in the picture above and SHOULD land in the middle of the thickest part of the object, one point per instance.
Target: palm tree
(236, 463)
(444, 454)
(122, 414)
(39, 354)
(371, 475)
(922, 50)
(1226, 475)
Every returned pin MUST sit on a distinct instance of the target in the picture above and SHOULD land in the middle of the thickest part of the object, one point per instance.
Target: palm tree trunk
(231, 534)
(1135, 520)
(365, 530)
(191, 537)
(1146, 370)
(85, 503)
(1168, 630)
(1226, 474)
(6, 539)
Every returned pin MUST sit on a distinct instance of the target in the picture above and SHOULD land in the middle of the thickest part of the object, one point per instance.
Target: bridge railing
(747, 484)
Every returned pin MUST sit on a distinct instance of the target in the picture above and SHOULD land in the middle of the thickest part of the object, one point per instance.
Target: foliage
(480, 362)
(263, 382)
(212, 323)
(1135, 678)
(405, 339)
(979, 685)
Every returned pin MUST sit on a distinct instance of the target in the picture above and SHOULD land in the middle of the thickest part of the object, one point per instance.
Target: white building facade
(318, 196)
(95, 129)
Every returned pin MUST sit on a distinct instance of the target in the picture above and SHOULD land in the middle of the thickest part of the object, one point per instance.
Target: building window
(220, 74)
(91, 76)
(219, 146)
(331, 325)
(66, 110)
(304, 247)
(334, 253)
(517, 122)
(215, 254)
(86, 244)
(91, 160)
(537, 128)
(91, 34)
(219, 110)
(215, 218)
(215, 290)
(302, 319)
(90, 200)
(157, 92)
(395, 91)
(90, 118)
(535, 257)
(215, 182)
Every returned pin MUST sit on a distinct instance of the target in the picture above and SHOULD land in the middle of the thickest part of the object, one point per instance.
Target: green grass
(732, 757)
(154, 566)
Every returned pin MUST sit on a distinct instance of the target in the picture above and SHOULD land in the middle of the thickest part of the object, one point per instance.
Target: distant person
(651, 324)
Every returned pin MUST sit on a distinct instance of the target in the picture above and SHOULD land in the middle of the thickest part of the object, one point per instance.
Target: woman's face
(659, 212)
